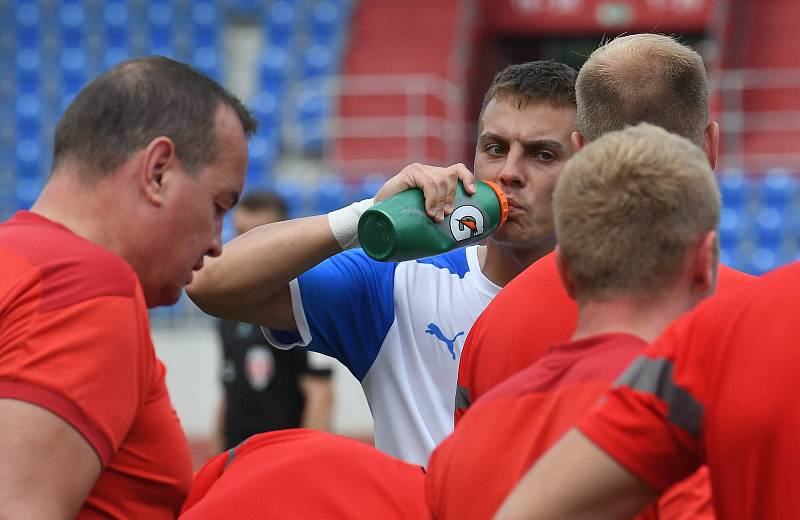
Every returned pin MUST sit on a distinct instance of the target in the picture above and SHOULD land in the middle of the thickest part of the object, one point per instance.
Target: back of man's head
(258, 208)
(138, 100)
(628, 208)
(548, 81)
(643, 78)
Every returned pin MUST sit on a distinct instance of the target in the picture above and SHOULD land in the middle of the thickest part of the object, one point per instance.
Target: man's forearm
(245, 282)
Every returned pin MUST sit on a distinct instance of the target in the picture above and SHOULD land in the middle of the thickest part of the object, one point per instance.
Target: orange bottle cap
(503, 201)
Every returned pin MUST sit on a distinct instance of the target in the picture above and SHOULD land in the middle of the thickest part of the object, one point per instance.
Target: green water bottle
(398, 228)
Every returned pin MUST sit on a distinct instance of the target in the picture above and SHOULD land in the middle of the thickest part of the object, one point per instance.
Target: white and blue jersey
(399, 328)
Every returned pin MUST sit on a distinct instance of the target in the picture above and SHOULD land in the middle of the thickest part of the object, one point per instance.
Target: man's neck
(620, 315)
(501, 263)
(87, 211)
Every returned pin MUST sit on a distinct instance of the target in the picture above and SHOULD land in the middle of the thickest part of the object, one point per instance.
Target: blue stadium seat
(206, 60)
(72, 21)
(266, 108)
(331, 195)
(769, 226)
(280, 23)
(734, 190)
(159, 18)
(27, 20)
(369, 186)
(28, 63)
(325, 22)
(205, 24)
(778, 188)
(317, 61)
(272, 69)
(762, 261)
(293, 193)
(29, 159)
(261, 157)
(114, 55)
(73, 70)
(730, 228)
(115, 15)
(29, 117)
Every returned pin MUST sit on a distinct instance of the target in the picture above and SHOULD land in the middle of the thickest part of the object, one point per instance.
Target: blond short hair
(627, 209)
(643, 78)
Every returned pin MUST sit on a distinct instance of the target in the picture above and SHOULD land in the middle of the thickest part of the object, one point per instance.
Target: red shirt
(532, 312)
(75, 340)
(510, 427)
(720, 386)
(306, 474)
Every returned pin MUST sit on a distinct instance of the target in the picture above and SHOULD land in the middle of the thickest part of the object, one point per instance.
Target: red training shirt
(306, 474)
(509, 428)
(532, 312)
(75, 340)
(720, 386)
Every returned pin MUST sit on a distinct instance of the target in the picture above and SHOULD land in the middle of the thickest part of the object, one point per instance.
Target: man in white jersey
(399, 327)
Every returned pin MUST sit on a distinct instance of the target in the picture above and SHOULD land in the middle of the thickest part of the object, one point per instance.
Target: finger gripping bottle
(398, 228)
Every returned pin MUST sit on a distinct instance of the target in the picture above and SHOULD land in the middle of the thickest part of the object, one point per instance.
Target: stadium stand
(48, 50)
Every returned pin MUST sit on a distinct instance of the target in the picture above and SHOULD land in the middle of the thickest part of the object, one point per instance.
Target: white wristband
(344, 223)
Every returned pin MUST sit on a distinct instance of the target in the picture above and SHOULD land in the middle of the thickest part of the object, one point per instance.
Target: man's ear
(564, 272)
(159, 160)
(706, 263)
(577, 141)
(711, 143)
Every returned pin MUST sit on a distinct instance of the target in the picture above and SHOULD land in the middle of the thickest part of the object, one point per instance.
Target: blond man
(635, 216)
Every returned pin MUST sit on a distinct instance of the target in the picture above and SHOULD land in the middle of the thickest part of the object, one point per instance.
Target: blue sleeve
(348, 307)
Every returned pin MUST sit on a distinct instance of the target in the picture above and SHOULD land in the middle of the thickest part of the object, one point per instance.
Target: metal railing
(418, 123)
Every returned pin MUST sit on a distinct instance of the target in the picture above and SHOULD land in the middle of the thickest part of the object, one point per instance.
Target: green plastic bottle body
(398, 228)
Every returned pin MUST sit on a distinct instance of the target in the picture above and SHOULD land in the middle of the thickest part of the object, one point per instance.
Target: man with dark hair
(498, 347)
(266, 388)
(374, 316)
(132, 206)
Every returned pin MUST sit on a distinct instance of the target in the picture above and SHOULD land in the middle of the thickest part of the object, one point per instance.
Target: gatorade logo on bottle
(466, 222)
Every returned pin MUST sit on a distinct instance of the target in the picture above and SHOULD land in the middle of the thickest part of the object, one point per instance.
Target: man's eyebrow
(543, 144)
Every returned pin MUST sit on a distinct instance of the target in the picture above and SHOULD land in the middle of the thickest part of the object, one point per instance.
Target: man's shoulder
(69, 268)
(454, 262)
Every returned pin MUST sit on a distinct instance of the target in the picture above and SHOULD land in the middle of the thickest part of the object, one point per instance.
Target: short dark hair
(263, 201)
(136, 101)
(649, 78)
(536, 80)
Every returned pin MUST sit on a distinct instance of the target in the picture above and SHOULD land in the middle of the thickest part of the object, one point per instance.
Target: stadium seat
(293, 193)
(325, 22)
(73, 70)
(205, 24)
(280, 23)
(29, 117)
(778, 188)
(317, 61)
(330, 195)
(273, 64)
(769, 227)
(206, 59)
(28, 63)
(734, 190)
(369, 186)
(159, 28)
(265, 107)
(730, 228)
(72, 20)
(115, 15)
(27, 20)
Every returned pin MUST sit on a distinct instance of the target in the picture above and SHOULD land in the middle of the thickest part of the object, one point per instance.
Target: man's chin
(164, 299)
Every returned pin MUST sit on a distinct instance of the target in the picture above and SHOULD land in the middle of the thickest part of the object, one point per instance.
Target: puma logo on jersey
(449, 343)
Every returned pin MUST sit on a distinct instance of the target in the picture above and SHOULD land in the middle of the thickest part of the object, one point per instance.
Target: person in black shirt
(266, 388)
